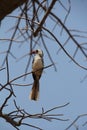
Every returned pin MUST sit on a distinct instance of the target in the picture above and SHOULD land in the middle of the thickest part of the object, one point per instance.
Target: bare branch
(44, 18)
(28, 73)
(22, 114)
(64, 49)
(75, 121)
(32, 28)
(6, 100)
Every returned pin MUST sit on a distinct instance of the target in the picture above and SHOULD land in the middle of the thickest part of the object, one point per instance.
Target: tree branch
(44, 18)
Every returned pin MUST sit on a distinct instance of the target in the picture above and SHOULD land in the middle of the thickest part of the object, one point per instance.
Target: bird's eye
(36, 51)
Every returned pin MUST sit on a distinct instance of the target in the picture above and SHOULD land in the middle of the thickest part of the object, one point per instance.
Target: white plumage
(37, 69)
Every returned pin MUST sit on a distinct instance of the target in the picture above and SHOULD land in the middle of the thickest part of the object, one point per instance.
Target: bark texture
(7, 6)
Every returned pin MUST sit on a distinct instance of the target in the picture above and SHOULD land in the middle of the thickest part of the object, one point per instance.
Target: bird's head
(38, 52)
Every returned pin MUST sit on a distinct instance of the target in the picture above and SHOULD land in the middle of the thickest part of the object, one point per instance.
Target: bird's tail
(35, 91)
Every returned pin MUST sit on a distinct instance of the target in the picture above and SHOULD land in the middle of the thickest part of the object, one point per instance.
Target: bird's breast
(37, 64)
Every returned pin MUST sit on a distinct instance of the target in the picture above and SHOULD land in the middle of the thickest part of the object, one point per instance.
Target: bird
(37, 69)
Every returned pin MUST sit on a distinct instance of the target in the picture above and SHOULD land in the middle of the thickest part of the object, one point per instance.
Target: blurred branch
(21, 114)
(2, 69)
(17, 117)
(10, 82)
(80, 116)
(32, 28)
(44, 18)
(64, 49)
(21, 76)
(68, 12)
(85, 123)
(68, 32)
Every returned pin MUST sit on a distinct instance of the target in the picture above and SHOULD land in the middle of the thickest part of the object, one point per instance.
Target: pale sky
(56, 88)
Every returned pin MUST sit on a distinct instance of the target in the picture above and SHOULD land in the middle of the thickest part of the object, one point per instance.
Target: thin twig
(64, 49)
(28, 74)
(75, 121)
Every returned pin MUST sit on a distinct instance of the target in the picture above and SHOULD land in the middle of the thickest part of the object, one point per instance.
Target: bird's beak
(32, 52)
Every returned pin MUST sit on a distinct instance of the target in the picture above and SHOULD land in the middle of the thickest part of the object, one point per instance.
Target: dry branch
(21, 114)
(34, 32)
(45, 17)
(78, 117)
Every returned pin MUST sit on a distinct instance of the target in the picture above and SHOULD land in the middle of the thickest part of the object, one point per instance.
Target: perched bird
(37, 69)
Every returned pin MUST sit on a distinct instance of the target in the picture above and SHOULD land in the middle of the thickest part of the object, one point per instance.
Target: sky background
(56, 87)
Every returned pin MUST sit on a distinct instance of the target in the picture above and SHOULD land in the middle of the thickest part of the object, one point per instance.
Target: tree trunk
(7, 6)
